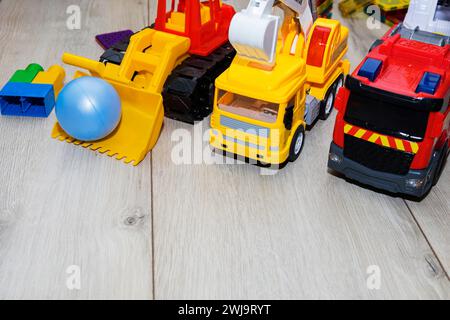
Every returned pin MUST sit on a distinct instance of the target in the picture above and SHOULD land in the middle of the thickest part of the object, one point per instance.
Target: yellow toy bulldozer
(138, 81)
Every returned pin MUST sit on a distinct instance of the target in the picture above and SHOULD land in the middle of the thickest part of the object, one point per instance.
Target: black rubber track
(189, 90)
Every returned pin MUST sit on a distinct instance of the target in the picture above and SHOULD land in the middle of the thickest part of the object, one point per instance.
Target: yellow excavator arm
(254, 32)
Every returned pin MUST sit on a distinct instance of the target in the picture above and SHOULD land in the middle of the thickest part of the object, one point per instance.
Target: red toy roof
(405, 63)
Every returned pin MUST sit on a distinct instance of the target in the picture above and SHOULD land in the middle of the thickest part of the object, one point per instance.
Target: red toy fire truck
(392, 128)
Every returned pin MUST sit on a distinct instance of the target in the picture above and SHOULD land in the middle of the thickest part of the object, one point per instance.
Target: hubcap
(299, 143)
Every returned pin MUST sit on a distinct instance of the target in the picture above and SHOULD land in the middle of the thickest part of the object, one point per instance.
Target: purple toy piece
(107, 40)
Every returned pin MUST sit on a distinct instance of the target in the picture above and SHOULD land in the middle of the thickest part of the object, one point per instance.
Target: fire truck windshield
(383, 115)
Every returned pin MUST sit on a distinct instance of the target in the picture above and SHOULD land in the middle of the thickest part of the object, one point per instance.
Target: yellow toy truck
(273, 91)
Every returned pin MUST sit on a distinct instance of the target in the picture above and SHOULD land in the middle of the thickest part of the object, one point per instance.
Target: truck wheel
(440, 166)
(298, 141)
(326, 107)
(339, 84)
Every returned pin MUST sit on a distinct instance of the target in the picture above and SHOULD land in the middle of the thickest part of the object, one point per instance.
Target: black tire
(189, 90)
(296, 146)
(325, 110)
(441, 165)
(327, 105)
(340, 82)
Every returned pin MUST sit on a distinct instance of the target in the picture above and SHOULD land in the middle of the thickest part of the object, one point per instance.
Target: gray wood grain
(220, 231)
(61, 205)
(225, 231)
(433, 216)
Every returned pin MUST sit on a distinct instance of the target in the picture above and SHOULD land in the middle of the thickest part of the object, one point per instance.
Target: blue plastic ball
(88, 109)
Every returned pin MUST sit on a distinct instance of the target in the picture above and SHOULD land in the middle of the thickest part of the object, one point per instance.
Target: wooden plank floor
(60, 205)
(170, 231)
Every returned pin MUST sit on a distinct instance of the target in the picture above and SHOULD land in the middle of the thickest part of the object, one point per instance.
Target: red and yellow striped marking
(382, 140)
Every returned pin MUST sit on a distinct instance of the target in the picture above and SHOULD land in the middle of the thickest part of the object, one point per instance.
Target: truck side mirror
(289, 117)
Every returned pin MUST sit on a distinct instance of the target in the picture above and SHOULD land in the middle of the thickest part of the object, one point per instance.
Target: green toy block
(27, 75)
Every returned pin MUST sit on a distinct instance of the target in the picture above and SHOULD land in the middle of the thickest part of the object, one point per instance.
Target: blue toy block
(429, 83)
(27, 100)
(370, 69)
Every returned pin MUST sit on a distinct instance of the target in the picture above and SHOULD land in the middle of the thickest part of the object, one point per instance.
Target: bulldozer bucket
(150, 58)
(137, 132)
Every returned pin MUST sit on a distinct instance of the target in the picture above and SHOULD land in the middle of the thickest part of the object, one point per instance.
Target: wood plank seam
(441, 264)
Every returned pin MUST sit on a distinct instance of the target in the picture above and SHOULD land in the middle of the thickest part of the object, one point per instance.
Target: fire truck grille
(376, 157)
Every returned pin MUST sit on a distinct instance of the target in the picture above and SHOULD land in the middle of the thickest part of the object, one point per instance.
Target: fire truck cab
(392, 128)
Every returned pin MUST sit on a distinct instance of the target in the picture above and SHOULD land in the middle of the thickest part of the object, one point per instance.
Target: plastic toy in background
(429, 15)
(393, 125)
(391, 12)
(188, 93)
(55, 76)
(115, 53)
(88, 109)
(392, 18)
(32, 92)
(348, 7)
(324, 8)
(27, 75)
(279, 84)
(107, 40)
(392, 5)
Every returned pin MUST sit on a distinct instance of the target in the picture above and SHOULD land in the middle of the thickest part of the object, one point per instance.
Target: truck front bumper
(416, 183)
(248, 151)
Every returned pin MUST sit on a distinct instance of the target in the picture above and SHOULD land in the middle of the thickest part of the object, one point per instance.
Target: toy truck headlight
(213, 135)
(335, 157)
(415, 183)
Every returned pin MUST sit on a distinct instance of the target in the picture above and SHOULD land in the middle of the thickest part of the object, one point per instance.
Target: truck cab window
(248, 107)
